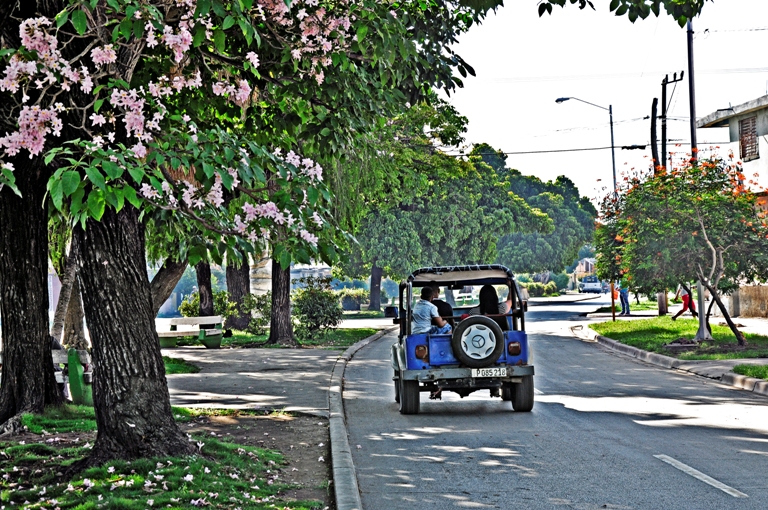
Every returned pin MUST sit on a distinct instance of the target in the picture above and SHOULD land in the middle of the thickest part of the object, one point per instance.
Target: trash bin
(391, 311)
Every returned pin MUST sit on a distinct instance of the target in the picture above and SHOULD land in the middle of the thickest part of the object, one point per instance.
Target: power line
(644, 75)
(584, 149)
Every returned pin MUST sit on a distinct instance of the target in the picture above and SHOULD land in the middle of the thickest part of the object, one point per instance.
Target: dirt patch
(302, 439)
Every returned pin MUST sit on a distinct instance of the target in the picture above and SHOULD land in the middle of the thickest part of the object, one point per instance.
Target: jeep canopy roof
(457, 277)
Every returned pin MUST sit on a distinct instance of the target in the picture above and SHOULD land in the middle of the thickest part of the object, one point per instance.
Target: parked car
(591, 284)
(479, 354)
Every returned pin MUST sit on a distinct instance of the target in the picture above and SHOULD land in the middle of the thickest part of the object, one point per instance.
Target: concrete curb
(752, 384)
(344, 478)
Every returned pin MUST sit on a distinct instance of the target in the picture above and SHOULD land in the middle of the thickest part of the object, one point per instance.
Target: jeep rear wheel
(409, 397)
(477, 341)
(397, 387)
(506, 393)
(522, 395)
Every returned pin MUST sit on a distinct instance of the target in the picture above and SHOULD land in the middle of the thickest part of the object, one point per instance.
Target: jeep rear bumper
(514, 373)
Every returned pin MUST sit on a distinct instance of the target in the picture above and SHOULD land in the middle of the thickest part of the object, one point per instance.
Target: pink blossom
(103, 55)
(253, 58)
(98, 119)
(149, 192)
(308, 237)
(139, 150)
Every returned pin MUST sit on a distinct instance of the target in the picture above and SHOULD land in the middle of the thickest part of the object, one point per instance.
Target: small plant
(316, 307)
(351, 299)
(190, 307)
(259, 307)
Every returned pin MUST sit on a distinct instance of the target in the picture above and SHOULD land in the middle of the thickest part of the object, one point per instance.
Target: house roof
(722, 118)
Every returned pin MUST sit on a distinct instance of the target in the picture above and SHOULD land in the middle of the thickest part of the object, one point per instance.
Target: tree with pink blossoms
(216, 113)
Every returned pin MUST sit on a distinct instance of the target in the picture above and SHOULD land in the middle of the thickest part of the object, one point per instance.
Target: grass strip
(179, 366)
(651, 334)
(756, 371)
(335, 338)
(222, 474)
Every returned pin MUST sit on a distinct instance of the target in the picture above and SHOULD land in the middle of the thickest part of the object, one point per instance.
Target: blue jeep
(478, 354)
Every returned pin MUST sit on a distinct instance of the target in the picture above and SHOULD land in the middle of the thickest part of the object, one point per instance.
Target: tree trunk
(280, 325)
(165, 281)
(130, 392)
(449, 297)
(239, 286)
(28, 383)
(68, 277)
(724, 310)
(375, 294)
(205, 289)
(74, 330)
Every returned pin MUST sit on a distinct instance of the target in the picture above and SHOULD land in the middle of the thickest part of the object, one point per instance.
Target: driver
(426, 318)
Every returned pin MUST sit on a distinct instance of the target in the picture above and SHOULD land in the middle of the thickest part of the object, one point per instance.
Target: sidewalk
(721, 370)
(562, 299)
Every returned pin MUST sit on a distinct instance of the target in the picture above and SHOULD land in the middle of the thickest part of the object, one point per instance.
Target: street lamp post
(610, 113)
(615, 185)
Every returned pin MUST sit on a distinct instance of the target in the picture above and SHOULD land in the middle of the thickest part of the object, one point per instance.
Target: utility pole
(654, 147)
(664, 108)
(703, 332)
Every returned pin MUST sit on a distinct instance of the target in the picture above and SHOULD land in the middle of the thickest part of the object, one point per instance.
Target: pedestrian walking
(685, 293)
(624, 296)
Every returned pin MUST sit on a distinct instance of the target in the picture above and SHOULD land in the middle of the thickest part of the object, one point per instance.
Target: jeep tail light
(422, 352)
(513, 349)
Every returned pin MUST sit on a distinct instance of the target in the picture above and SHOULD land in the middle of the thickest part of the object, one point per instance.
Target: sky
(523, 63)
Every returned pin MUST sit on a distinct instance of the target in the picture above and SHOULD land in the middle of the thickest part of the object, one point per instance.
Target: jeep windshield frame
(455, 278)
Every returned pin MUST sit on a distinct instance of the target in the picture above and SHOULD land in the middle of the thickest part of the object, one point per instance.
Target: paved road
(606, 432)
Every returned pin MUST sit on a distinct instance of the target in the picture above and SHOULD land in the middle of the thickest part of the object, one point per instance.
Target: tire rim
(478, 341)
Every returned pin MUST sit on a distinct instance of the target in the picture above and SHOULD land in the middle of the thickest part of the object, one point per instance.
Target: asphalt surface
(607, 431)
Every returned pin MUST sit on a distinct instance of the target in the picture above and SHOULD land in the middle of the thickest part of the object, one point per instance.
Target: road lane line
(701, 476)
(538, 392)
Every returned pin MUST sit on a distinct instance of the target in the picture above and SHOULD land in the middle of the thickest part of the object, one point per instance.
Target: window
(748, 139)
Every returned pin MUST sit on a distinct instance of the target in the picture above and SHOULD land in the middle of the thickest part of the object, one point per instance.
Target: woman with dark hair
(489, 304)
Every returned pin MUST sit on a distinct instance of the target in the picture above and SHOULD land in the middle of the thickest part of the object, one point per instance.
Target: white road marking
(537, 391)
(701, 476)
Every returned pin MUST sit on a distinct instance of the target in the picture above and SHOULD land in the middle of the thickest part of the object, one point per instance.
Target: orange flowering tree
(697, 222)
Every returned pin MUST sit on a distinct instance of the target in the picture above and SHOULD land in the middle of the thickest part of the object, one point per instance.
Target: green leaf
(112, 170)
(57, 193)
(80, 21)
(95, 176)
(361, 32)
(62, 18)
(312, 195)
(325, 132)
(138, 28)
(219, 40)
(228, 23)
(97, 105)
(69, 182)
(137, 173)
(96, 204)
(126, 28)
(130, 196)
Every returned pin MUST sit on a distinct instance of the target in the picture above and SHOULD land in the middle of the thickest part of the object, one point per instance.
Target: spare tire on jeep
(477, 341)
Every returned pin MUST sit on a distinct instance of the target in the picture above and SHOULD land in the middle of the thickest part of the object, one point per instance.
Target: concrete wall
(748, 301)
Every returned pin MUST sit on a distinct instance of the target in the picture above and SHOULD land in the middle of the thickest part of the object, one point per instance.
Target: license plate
(489, 372)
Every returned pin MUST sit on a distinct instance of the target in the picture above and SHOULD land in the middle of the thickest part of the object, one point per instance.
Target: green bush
(536, 289)
(316, 308)
(561, 280)
(190, 307)
(260, 309)
(351, 299)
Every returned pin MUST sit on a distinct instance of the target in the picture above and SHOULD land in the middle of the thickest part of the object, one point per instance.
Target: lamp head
(561, 99)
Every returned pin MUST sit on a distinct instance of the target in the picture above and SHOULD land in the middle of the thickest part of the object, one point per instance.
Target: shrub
(536, 289)
(259, 307)
(316, 307)
(190, 307)
(351, 299)
(561, 280)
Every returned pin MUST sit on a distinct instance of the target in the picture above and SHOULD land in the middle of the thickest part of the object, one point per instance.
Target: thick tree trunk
(280, 325)
(375, 294)
(724, 310)
(239, 286)
(67, 278)
(130, 392)
(28, 382)
(205, 288)
(164, 282)
(74, 330)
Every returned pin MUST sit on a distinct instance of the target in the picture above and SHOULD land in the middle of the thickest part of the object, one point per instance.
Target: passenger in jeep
(489, 304)
(443, 308)
(426, 318)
